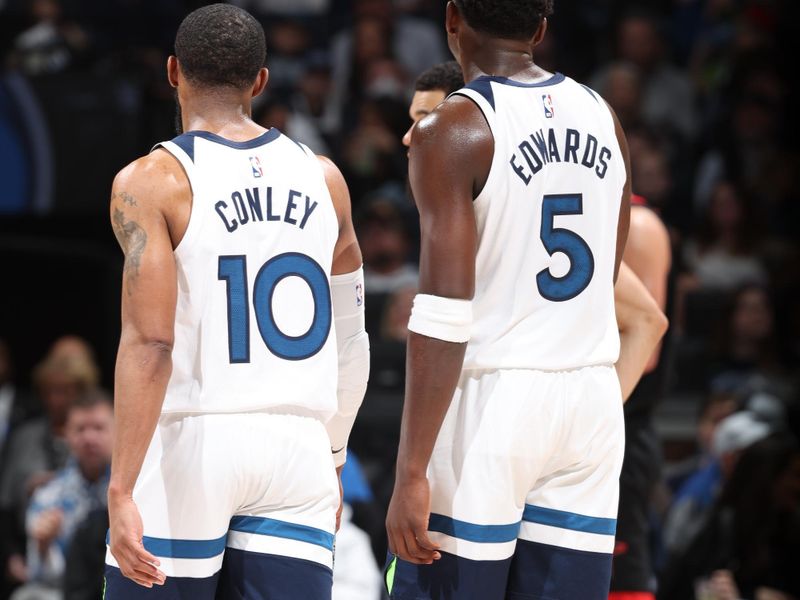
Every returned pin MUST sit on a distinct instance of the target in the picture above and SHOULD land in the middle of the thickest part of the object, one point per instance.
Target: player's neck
(228, 117)
(502, 58)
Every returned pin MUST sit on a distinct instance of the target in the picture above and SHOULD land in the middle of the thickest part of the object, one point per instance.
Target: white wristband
(448, 319)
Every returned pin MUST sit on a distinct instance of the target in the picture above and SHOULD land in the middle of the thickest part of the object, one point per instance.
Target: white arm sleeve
(347, 295)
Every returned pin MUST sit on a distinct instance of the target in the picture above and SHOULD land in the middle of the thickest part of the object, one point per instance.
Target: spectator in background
(749, 343)
(724, 254)
(667, 99)
(749, 547)
(59, 506)
(278, 113)
(694, 500)
(38, 448)
(51, 44)
(386, 246)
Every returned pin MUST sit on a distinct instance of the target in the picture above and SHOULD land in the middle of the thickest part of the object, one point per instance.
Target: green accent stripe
(390, 570)
(105, 585)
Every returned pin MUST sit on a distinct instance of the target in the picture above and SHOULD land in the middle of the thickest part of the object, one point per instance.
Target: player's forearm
(641, 327)
(433, 368)
(143, 370)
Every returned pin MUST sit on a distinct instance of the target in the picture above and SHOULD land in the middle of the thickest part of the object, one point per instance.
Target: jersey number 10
(233, 270)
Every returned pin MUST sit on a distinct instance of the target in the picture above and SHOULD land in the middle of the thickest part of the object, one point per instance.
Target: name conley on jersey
(543, 148)
(251, 206)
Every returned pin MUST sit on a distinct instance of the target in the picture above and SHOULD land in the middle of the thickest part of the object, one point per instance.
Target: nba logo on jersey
(256, 165)
(549, 110)
(359, 294)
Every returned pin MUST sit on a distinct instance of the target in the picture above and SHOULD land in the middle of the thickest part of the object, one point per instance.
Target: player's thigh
(185, 497)
(569, 521)
(280, 542)
(479, 476)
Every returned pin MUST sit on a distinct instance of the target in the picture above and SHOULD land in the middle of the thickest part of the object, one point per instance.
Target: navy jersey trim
(591, 93)
(186, 143)
(484, 87)
(265, 138)
(555, 79)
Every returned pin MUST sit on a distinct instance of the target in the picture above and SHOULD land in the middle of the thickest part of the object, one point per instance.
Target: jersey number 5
(233, 270)
(581, 260)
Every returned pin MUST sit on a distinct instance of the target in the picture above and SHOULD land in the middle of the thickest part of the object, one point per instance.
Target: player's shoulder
(457, 122)
(155, 177)
(645, 220)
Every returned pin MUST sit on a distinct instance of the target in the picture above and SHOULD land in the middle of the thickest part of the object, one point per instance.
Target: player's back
(253, 323)
(547, 225)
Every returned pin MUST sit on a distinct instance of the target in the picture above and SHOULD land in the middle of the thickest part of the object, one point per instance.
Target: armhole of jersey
(187, 163)
(484, 99)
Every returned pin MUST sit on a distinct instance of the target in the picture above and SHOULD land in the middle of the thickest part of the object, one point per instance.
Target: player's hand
(341, 498)
(126, 531)
(407, 521)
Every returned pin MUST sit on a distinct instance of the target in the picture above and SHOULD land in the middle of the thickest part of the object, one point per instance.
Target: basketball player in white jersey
(512, 436)
(638, 303)
(243, 357)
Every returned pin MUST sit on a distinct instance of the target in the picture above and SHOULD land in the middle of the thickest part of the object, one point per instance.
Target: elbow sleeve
(352, 342)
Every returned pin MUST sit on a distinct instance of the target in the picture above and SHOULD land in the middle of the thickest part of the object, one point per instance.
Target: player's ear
(452, 18)
(172, 71)
(452, 25)
(540, 31)
(261, 81)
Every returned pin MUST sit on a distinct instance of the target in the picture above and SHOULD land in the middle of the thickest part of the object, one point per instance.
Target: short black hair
(221, 46)
(507, 19)
(446, 77)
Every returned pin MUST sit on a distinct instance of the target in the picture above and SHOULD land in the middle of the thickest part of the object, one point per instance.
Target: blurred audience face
(718, 408)
(90, 437)
(422, 104)
(752, 319)
(383, 238)
(651, 176)
(639, 42)
(623, 92)
(725, 209)
(370, 41)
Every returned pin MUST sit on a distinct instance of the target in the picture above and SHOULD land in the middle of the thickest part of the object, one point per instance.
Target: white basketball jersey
(547, 226)
(254, 324)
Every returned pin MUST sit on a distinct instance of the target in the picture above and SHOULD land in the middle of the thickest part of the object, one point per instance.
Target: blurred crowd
(704, 91)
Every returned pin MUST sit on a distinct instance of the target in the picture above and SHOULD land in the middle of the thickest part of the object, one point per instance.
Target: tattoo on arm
(126, 198)
(132, 238)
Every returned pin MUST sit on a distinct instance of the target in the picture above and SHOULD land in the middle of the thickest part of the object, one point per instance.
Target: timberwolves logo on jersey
(255, 164)
(549, 109)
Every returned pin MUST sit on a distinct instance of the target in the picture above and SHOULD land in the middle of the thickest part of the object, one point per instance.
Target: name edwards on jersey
(542, 148)
(251, 206)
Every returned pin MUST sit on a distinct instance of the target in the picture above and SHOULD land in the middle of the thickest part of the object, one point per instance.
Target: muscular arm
(144, 360)
(449, 149)
(641, 326)
(648, 254)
